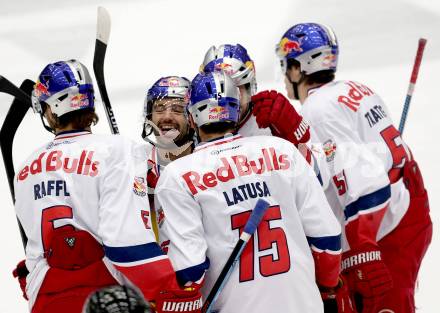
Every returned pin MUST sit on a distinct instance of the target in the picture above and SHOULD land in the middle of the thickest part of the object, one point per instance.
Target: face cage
(149, 136)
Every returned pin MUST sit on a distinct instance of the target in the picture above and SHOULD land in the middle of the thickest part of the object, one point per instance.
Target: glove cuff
(179, 301)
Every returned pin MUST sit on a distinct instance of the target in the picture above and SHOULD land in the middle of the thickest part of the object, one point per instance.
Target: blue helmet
(166, 87)
(313, 45)
(214, 99)
(174, 87)
(234, 61)
(65, 86)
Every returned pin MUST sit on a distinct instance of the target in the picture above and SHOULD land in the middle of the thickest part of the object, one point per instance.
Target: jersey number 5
(398, 152)
(48, 217)
(267, 237)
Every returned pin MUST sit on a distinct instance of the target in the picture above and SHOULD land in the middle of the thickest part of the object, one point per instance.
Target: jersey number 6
(267, 236)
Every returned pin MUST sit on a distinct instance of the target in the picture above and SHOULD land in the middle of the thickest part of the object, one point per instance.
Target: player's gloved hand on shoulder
(273, 110)
(21, 273)
(367, 276)
(337, 299)
(413, 179)
(180, 300)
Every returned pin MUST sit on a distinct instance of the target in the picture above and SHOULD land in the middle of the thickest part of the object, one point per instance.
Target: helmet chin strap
(296, 84)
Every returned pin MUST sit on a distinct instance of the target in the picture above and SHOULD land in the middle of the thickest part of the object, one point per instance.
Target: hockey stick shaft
(13, 119)
(412, 83)
(102, 36)
(249, 229)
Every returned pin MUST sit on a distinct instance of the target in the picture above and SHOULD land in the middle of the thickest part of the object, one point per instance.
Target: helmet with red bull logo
(313, 45)
(173, 87)
(166, 87)
(234, 61)
(65, 86)
(214, 99)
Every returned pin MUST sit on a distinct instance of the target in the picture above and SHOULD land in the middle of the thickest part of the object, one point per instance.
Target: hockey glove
(367, 276)
(337, 299)
(413, 179)
(273, 110)
(21, 273)
(180, 300)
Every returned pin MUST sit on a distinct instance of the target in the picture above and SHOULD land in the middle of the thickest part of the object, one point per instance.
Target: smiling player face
(168, 115)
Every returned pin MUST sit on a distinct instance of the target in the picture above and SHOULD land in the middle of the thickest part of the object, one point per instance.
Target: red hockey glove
(180, 300)
(413, 179)
(367, 275)
(337, 299)
(21, 272)
(273, 110)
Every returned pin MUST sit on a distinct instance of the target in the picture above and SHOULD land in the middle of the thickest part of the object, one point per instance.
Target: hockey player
(207, 197)
(282, 121)
(165, 125)
(81, 199)
(235, 62)
(374, 178)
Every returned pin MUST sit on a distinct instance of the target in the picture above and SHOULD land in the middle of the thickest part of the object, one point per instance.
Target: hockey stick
(249, 229)
(102, 35)
(412, 83)
(13, 119)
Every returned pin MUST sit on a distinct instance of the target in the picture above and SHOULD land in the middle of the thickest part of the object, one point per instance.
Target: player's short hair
(79, 119)
(218, 127)
(320, 77)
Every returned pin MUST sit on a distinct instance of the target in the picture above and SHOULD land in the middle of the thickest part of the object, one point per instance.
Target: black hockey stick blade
(102, 36)
(13, 119)
(7, 87)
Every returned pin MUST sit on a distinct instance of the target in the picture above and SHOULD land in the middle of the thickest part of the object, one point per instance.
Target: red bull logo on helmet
(218, 113)
(170, 82)
(79, 101)
(217, 109)
(225, 67)
(41, 89)
(286, 46)
(329, 60)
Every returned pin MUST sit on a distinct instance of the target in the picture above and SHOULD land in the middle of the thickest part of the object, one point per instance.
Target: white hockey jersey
(207, 198)
(94, 183)
(365, 156)
(249, 127)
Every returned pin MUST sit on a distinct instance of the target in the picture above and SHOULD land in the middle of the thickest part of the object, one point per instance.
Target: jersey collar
(71, 133)
(217, 141)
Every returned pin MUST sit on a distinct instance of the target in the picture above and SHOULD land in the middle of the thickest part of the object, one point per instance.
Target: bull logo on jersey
(139, 187)
(329, 148)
